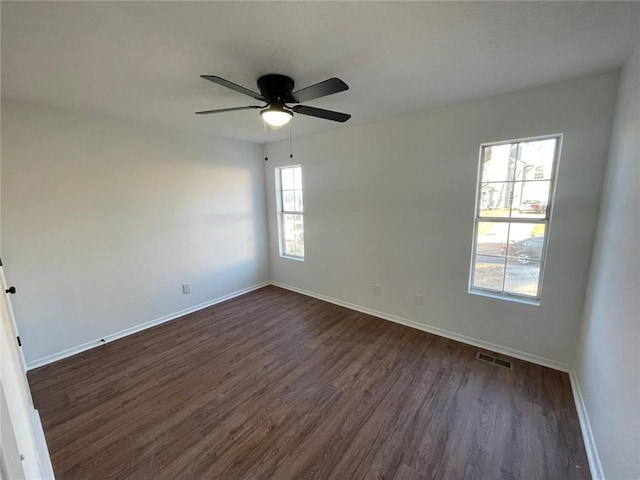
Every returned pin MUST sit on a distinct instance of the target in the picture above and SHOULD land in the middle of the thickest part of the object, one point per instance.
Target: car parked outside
(525, 251)
(532, 206)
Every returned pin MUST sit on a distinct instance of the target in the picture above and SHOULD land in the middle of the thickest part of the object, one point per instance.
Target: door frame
(24, 422)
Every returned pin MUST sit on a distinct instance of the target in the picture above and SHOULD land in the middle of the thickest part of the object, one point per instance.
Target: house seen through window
(516, 182)
(290, 211)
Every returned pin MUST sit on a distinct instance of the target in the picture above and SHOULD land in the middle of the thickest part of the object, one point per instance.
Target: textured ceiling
(142, 60)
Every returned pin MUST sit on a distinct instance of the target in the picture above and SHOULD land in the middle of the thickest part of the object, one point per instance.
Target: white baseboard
(143, 326)
(545, 362)
(585, 425)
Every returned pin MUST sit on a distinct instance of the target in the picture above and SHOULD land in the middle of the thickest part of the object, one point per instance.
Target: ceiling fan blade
(233, 86)
(322, 89)
(233, 109)
(321, 113)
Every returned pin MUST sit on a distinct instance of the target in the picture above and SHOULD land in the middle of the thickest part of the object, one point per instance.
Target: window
(290, 211)
(516, 181)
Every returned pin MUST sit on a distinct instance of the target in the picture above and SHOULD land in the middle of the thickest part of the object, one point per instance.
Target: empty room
(320, 240)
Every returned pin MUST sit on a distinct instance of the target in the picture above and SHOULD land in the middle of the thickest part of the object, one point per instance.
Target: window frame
(281, 212)
(546, 221)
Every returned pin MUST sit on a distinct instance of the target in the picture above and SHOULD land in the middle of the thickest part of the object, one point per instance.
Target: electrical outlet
(186, 288)
(419, 300)
(376, 290)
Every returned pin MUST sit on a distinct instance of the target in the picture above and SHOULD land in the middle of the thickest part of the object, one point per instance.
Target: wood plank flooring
(277, 385)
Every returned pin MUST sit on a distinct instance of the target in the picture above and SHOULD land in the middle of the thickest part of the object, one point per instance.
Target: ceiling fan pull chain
(290, 139)
(264, 149)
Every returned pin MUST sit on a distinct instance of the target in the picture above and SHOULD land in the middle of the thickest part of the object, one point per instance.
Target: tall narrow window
(290, 211)
(516, 182)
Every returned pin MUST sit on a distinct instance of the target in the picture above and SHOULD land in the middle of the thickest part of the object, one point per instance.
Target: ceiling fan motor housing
(277, 88)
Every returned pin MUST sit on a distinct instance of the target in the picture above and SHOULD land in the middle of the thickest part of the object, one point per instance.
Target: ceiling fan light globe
(276, 117)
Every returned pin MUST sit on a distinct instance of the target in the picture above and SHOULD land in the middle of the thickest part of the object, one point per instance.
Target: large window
(516, 182)
(290, 211)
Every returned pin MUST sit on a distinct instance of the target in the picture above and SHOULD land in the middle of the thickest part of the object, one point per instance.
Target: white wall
(608, 360)
(103, 220)
(392, 203)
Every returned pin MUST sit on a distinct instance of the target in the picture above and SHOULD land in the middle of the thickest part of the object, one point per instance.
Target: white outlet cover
(376, 289)
(186, 288)
(420, 300)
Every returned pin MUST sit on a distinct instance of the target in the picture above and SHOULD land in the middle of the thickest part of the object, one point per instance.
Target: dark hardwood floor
(277, 385)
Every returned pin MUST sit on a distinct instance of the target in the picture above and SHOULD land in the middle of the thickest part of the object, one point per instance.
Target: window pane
(299, 245)
(495, 199)
(535, 160)
(498, 164)
(526, 242)
(491, 239)
(519, 271)
(286, 176)
(288, 200)
(289, 245)
(297, 178)
(288, 224)
(293, 235)
(298, 201)
(489, 274)
(530, 199)
(522, 278)
(299, 235)
(491, 246)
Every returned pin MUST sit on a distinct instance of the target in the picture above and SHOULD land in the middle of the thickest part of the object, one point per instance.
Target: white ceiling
(142, 60)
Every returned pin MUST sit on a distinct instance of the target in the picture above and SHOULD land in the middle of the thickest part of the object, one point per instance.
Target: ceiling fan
(277, 91)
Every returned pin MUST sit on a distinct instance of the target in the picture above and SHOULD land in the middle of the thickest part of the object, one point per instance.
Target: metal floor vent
(483, 357)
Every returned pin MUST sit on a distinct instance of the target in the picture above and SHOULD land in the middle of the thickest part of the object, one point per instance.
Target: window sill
(506, 296)
(289, 257)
